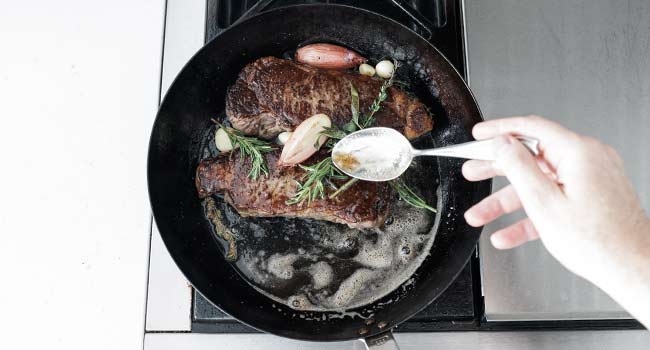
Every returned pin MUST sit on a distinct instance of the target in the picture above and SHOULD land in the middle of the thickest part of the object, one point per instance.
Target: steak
(272, 95)
(363, 205)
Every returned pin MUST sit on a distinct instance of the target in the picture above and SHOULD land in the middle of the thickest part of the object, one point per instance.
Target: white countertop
(78, 94)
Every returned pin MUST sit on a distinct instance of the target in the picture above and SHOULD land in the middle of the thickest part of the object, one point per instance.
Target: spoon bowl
(373, 154)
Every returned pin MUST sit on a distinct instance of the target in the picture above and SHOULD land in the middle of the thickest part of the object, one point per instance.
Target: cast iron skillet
(198, 94)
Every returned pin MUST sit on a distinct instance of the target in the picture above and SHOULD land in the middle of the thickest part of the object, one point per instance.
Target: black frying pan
(198, 94)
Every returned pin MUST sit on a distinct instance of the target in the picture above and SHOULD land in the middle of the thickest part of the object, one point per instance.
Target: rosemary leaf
(330, 144)
(344, 187)
(350, 127)
(334, 133)
(409, 196)
(355, 105)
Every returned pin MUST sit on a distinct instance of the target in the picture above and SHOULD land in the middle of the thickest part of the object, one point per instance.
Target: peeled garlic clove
(328, 56)
(222, 141)
(305, 140)
(385, 69)
(366, 69)
(284, 137)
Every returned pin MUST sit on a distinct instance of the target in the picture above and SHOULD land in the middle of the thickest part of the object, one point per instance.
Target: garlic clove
(222, 141)
(385, 69)
(366, 69)
(284, 137)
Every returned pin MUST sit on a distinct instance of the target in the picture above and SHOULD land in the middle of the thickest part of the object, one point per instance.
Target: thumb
(534, 188)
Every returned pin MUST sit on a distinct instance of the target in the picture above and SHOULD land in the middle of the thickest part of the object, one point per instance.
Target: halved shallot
(305, 140)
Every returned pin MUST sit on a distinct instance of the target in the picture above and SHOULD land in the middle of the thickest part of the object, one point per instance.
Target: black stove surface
(458, 308)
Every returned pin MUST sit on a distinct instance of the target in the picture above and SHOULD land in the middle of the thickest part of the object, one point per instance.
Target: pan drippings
(321, 266)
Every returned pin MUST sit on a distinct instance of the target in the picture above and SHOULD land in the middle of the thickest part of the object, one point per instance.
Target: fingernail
(469, 218)
(498, 242)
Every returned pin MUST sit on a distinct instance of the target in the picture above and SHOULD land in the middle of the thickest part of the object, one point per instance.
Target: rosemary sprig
(343, 187)
(381, 97)
(409, 196)
(315, 178)
(354, 107)
(249, 147)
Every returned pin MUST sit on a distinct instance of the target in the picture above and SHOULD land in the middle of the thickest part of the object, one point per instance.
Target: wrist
(624, 257)
(624, 273)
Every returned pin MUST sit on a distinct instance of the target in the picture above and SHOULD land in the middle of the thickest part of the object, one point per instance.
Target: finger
(546, 168)
(514, 235)
(501, 202)
(479, 170)
(536, 191)
(546, 131)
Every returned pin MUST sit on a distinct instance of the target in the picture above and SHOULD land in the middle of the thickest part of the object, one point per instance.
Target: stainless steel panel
(558, 340)
(586, 64)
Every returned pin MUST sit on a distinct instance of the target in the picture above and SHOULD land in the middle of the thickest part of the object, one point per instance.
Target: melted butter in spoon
(346, 161)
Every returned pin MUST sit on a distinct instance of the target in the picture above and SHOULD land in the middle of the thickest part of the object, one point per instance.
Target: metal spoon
(382, 154)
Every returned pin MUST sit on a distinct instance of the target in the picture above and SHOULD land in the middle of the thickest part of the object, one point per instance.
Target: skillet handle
(426, 26)
(381, 341)
(260, 6)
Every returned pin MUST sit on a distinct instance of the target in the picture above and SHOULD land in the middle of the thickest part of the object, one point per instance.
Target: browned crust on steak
(363, 205)
(272, 95)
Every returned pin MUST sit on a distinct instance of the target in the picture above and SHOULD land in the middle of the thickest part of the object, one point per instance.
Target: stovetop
(461, 305)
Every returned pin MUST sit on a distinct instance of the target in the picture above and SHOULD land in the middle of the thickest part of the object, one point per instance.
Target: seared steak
(273, 95)
(363, 205)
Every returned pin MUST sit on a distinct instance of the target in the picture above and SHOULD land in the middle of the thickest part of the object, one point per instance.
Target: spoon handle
(481, 150)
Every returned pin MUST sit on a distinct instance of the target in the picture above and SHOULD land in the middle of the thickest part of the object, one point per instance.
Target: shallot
(328, 56)
(305, 140)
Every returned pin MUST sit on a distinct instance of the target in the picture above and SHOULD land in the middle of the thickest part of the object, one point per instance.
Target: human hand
(575, 194)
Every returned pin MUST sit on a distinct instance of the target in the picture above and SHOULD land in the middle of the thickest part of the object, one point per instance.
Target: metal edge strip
(150, 226)
(463, 28)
